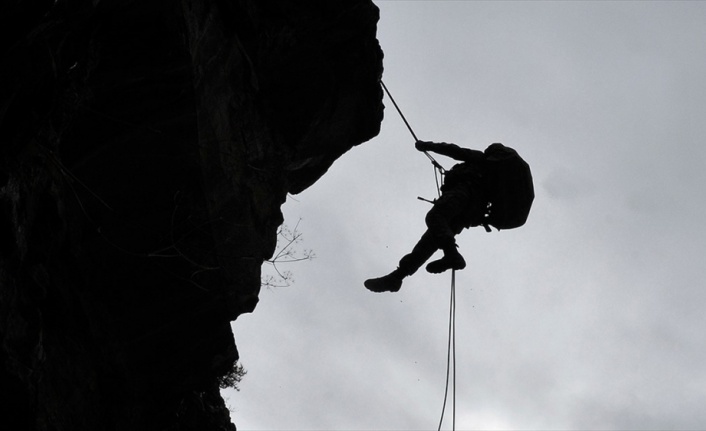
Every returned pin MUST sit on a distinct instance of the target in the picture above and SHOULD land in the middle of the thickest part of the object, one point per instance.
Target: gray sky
(592, 316)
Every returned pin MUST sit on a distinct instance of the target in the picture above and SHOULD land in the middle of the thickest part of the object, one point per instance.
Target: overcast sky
(591, 316)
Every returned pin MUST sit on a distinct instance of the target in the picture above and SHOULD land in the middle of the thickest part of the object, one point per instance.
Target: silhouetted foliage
(232, 377)
(286, 253)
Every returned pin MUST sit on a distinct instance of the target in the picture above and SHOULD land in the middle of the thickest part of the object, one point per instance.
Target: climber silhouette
(491, 187)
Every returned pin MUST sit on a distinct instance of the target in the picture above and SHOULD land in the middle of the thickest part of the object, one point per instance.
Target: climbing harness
(451, 349)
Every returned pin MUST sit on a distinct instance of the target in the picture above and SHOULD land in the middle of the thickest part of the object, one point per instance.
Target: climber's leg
(439, 218)
(422, 251)
(391, 282)
(408, 265)
(452, 260)
(445, 222)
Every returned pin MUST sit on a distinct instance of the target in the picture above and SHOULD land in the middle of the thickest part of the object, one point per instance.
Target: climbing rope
(384, 87)
(438, 169)
(399, 111)
(451, 349)
(451, 357)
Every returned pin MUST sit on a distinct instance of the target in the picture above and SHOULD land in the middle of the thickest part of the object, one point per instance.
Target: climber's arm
(451, 150)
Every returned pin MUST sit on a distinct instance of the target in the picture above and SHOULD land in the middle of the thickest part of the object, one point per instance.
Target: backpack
(508, 186)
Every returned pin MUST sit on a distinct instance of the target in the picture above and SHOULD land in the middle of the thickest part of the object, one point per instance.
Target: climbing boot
(391, 282)
(452, 260)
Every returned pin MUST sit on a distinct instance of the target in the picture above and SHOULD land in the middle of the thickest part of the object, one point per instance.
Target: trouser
(452, 212)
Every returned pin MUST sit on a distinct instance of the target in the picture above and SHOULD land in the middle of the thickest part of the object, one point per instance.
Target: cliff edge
(145, 150)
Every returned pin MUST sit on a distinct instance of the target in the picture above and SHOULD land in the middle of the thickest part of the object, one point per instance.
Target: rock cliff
(145, 150)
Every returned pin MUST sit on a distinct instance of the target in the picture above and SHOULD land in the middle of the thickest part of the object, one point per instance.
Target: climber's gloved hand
(423, 145)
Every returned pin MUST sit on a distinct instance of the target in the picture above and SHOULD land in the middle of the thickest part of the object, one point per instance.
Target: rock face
(145, 150)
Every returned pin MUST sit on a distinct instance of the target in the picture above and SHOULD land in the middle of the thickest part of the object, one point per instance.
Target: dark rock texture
(145, 150)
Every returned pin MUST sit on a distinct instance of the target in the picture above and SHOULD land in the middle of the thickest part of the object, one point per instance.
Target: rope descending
(451, 349)
(451, 356)
(392, 99)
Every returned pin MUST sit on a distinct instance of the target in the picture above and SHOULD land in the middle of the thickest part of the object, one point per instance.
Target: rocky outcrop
(145, 150)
